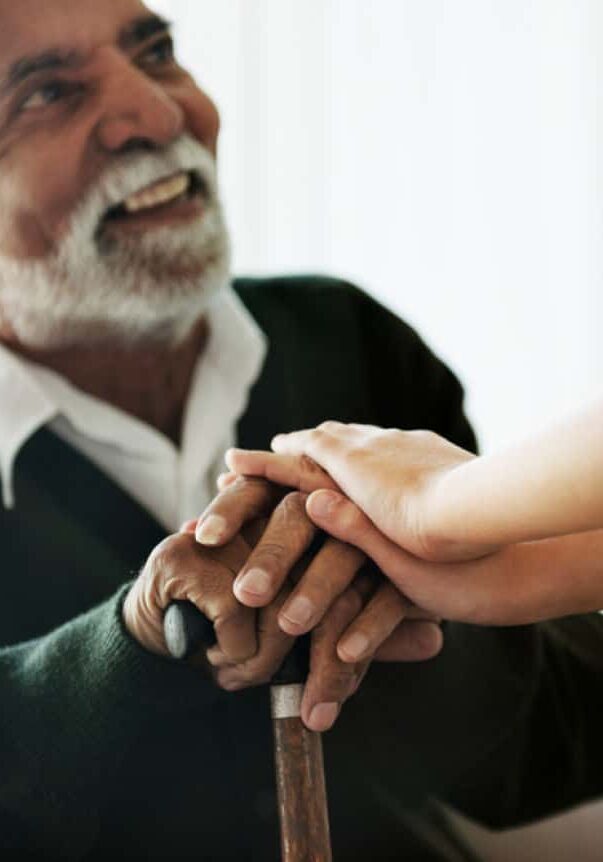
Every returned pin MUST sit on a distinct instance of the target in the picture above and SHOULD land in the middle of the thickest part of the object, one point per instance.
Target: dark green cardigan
(109, 752)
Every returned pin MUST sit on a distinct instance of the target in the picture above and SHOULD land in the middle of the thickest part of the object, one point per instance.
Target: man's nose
(137, 110)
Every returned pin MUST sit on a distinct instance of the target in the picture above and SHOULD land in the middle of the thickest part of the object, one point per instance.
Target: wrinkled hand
(179, 570)
(251, 643)
(396, 477)
(352, 621)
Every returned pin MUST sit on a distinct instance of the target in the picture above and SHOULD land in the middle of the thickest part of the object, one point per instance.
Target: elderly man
(126, 363)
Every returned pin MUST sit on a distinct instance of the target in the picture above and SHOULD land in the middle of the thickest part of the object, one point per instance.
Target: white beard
(155, 285)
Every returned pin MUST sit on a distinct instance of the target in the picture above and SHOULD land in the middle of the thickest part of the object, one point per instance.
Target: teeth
(157, 194)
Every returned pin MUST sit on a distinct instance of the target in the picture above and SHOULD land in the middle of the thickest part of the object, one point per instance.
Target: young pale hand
(519, 584)
(397, 478)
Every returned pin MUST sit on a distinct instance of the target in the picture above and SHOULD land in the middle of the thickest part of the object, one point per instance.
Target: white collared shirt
(173, 484)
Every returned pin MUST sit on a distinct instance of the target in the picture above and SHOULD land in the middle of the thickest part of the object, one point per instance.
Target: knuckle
(338, 682)
(213, 591)
(349, 604)
(246, 486)
(221, 620)
(291, 519)
(172, 552)
(330, 426)
(269, 556)
(422, 435)
(293, 506)
(391, 434)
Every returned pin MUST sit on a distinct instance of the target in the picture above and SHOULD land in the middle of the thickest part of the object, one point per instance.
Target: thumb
(338, 516)
(442, 589)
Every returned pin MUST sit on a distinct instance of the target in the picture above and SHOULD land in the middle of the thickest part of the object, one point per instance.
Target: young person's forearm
(549, 485)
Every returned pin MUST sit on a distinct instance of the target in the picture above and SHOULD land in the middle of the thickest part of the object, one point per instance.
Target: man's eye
(46, 95)
(160, 53)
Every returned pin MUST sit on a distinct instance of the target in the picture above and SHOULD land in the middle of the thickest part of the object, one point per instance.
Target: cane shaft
(300, 780)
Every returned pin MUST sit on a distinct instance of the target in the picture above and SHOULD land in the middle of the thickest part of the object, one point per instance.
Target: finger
(234, 626)
(372, 627)
(329, 574)
(317, 443)
(288, 535)
(341, 450)
(327, 435)
(224, 480)
(455, 591)
(188, 526)
(330, 681)
(240, 502)
(190, 573)
(218, 659)
(297, 471)
(412, 641)
(337, 515)
(274, 645)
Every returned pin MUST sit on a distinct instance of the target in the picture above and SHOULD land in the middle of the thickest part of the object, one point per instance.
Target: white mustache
(136, 171)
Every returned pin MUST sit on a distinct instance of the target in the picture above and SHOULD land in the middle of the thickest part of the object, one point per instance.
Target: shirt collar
(25, 408)
(33, 396)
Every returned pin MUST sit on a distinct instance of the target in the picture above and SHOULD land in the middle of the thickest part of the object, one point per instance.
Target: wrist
(434, 540)
(445, 527)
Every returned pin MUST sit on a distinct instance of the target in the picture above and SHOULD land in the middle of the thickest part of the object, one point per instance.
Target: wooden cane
(300, 778)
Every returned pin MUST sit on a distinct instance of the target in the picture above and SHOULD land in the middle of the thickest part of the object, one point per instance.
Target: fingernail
(211, 530)
(228, 457)
(355, 646)
(322, 503)
(255, 581)
(299, 612)
(323, 716)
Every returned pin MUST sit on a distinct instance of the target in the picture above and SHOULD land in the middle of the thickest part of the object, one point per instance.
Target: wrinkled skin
(251, 644)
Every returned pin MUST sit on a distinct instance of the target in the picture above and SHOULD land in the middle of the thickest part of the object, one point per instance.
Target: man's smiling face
(106, 172)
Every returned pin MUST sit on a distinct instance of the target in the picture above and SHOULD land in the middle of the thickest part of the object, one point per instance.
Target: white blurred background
(443, 154)
(446, 155)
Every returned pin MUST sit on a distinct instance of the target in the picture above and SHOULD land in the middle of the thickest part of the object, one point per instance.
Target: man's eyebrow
(133, 34)
(142, 29)
(25, 67)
